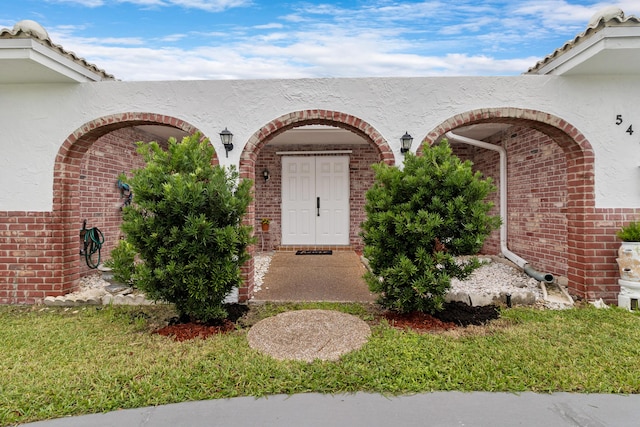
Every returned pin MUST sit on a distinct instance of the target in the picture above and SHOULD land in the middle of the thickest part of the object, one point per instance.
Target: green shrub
(186, 224)
(418, 220)
(122, 262)
(630, 232)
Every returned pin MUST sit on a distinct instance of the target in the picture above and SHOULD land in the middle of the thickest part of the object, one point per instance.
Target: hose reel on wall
(92, 241)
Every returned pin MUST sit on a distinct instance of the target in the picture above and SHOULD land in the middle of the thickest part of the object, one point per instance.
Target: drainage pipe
(520, 262)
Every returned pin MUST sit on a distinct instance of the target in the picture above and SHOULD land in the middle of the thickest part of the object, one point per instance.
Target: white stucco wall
(36, 119)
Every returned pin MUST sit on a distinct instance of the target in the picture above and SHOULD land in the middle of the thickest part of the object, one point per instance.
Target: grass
(58, 362)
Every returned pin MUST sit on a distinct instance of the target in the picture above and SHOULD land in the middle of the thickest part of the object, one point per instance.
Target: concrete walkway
(363, 409)
(336, 277)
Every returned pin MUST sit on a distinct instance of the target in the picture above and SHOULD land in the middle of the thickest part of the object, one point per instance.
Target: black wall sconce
(405, 142)
(266, 175)
(226, 137)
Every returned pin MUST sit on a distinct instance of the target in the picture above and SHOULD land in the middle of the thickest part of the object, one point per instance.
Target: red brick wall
(268, 195)
(39, 251)
(100, 198)
(538, 213)
(29, 252)
(537, 196)
(537, 199)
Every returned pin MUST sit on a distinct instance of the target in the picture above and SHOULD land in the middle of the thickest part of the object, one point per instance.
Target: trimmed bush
(186, 224)
(419, 219)
(122, 262)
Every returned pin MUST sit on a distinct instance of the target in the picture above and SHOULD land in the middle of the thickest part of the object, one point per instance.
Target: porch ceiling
(318, 135)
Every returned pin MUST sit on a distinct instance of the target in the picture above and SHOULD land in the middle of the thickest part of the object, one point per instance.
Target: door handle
(318, 205)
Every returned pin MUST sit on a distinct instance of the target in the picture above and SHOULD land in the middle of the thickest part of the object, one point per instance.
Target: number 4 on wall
(619, 122)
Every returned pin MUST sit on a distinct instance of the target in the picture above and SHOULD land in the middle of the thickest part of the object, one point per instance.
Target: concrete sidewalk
(364, 409)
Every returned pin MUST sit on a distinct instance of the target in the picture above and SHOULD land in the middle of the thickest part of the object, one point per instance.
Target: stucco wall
(36, 119)
(577, 115)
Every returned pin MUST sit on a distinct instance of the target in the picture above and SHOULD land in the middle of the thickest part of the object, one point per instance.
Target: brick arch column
(290, 121)
(584, 278)
(66, 199)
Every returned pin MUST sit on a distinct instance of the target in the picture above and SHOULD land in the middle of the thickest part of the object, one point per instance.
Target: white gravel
(494, 277)
(261, 266)
(92, 286)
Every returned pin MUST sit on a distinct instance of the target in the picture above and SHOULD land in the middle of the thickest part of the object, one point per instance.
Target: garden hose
(93, 240)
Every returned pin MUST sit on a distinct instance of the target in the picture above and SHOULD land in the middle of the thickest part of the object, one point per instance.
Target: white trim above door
(315, 200)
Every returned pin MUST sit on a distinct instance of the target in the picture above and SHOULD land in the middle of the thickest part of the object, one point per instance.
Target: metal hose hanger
(93, 240)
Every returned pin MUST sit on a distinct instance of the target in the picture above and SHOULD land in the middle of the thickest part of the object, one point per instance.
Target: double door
(315, 200)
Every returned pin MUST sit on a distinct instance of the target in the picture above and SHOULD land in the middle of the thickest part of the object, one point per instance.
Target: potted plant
(629, 252)
(265, 224)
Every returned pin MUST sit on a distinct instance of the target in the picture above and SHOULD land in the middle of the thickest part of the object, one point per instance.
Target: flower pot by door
(265, 227)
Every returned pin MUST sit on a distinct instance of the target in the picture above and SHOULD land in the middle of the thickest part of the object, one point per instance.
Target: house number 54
(619, 121)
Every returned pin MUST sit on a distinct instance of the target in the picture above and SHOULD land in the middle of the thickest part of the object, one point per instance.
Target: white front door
(315, 200)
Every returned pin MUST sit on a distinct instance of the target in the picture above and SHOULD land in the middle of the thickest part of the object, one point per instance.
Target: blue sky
(246, 39)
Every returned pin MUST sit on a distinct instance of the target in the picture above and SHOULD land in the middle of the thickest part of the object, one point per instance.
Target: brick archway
(584, 278)
(66, 203)
(290, 121)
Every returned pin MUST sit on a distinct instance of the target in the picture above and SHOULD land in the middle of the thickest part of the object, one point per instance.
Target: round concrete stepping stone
(307, 335)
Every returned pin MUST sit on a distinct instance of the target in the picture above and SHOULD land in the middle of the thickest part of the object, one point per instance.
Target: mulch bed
(182, 330)
(191, 330)
(419, 322)
(454, 315)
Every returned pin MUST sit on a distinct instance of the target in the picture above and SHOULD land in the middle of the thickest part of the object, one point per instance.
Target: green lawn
(58, 362)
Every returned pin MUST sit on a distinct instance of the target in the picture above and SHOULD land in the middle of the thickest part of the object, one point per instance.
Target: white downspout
(520, 262)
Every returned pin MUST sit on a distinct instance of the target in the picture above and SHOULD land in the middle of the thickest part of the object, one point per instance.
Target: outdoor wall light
(266, 175)
(405, 142)
(226, 137)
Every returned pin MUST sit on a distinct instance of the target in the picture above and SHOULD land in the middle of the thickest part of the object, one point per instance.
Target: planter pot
(265, 227)
(629, 261)
(629, 288)
(629, 294)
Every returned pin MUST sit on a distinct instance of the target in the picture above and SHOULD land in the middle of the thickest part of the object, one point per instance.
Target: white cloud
(173, 37)
(273, 25)
(206, 5)
(85, 3)
(381, 38)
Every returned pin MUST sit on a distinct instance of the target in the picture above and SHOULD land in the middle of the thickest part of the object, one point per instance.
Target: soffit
(609, 45)
(30, 57)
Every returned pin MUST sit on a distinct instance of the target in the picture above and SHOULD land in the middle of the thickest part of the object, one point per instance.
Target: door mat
(315, 252)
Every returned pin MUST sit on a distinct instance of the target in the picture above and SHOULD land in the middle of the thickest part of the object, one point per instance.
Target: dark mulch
(464, 315)
(455, 314)
(184, 329)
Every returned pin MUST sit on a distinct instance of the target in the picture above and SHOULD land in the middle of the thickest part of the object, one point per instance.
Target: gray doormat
(315, 252)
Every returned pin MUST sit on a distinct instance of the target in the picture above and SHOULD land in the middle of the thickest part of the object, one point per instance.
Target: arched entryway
(70, 180)
(530, 138)
(252, 166)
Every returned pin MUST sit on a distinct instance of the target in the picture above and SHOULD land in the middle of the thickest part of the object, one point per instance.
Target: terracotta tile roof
(597, 24)
(35, 32)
